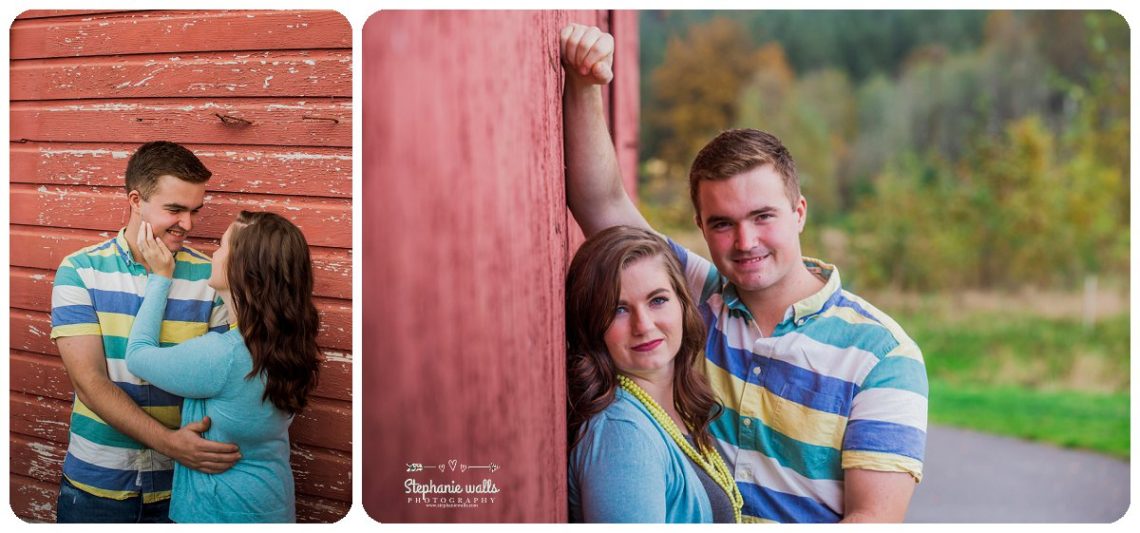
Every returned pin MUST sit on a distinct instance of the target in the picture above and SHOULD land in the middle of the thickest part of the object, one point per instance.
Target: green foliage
(861, 43)
(956, 149)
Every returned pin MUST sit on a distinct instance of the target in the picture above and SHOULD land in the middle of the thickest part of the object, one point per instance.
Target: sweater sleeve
(196, 368)
(622, 475)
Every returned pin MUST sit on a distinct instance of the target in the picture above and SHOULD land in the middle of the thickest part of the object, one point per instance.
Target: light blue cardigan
(626, 468)
(210, 372)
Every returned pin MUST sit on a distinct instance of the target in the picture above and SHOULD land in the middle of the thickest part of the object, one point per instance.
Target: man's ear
(135, 199)
(801, 213)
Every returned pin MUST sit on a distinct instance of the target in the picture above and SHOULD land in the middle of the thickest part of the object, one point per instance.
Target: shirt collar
(801, 310)
(736, 307)
(124, 247)
(824, 297)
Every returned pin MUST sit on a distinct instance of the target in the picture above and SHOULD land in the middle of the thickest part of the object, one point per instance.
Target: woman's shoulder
(621, 438)
(623, 419)
(229, 339)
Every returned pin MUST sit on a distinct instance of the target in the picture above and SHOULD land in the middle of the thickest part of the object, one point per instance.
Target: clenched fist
(587, 54)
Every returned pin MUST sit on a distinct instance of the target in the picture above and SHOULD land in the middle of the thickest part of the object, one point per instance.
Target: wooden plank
(324, 221)
(305, 73)
(324, 423)
(321, 472)
(178, 32)
(45, 247)
(39, 375)
(308, 171)
(30, 289)
(30, 331)
(253, 121)
(336, 378)
(32, 500)
(39, 416)
(624, 96)
(49, 13)
(320, 510)
(35, 458)
(336, 324)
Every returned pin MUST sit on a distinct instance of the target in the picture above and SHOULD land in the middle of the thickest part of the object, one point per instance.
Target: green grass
(1030, 352)
(1072, 419)
(1045, 379)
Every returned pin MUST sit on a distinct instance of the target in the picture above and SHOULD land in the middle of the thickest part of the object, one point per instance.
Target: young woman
(639, 408)
(251, 380)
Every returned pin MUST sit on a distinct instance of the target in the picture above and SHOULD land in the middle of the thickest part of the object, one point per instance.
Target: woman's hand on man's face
(154, 253)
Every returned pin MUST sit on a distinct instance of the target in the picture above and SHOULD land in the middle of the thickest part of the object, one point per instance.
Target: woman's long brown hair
(593, 288)
(270, 276)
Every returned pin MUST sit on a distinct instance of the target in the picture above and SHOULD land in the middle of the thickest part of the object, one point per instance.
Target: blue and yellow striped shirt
(98, 290)
(837, 385)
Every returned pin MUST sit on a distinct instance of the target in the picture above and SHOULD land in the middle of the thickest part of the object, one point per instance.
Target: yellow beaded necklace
(711, 461)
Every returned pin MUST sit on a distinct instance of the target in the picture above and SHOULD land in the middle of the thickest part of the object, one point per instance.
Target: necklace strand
(711, 462)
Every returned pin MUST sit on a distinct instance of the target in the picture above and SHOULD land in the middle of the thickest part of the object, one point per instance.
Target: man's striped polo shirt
(98, 290)
(837, 385)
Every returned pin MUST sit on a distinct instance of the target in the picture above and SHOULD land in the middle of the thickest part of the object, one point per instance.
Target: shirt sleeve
(701, 275)
(886, 430)
(196, 368)
(621, 475)
(72, 310)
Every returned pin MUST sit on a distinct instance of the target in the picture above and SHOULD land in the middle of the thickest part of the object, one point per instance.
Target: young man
(125, 432)
(825, 396)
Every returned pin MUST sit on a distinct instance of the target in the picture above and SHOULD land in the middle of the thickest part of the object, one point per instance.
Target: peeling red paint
(264, 99)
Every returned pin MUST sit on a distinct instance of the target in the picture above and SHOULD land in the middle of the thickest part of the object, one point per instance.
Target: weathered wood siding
(466, 242)
(264, 98)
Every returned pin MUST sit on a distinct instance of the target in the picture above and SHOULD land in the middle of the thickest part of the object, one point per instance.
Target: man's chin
(173, 247)
(751, 282)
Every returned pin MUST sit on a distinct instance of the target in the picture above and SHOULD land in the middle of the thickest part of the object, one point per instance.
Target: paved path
(975, 477)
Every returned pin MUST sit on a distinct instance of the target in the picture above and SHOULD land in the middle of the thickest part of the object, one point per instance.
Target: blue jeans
(77, 506)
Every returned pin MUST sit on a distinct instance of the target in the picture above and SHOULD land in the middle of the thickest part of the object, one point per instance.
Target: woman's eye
(660, 300)
(621, 310)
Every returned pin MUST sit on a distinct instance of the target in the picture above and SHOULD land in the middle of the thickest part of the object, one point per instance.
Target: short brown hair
(737, 151)
(162, 158)
(593, 289)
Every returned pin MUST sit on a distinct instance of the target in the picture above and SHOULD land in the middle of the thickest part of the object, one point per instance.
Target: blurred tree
(697, 86)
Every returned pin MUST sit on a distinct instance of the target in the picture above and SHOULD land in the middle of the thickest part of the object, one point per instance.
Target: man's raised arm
(87, 368)
(593, 179)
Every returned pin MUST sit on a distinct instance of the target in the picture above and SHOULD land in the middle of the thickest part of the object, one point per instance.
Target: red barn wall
(264, 98)
(466, 241)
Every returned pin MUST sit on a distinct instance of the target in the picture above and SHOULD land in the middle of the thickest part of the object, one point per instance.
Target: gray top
(718, 499)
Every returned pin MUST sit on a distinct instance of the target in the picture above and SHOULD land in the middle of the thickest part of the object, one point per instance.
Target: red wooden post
(466, 241)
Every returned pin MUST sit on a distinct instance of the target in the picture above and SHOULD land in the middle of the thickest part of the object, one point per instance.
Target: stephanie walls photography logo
(472, 488)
